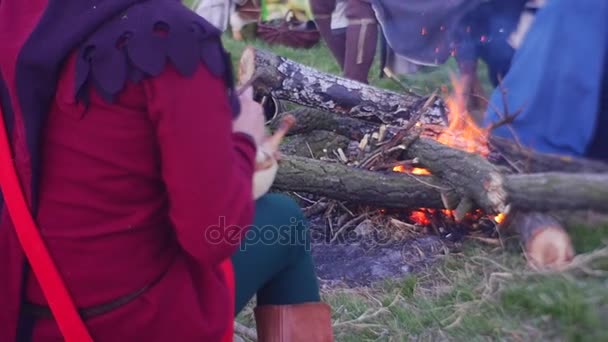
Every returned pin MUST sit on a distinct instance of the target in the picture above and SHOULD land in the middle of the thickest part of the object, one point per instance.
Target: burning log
(531, 192)
(522, 159)
(545, 241)
(470, 174)
(465, 168)
(287, 80)
(502, 151)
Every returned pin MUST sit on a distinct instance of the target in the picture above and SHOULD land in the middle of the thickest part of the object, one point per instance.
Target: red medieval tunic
(136, 190)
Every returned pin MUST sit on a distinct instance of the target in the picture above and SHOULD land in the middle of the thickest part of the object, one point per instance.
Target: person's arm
(207, 169)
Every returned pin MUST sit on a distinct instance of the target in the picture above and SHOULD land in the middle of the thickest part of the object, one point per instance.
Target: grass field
(478, 293)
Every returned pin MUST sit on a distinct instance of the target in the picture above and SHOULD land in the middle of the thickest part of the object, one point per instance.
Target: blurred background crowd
(545, 58)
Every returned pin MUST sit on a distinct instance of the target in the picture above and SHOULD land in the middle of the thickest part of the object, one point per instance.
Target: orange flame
(415, 170)
(400, 168)
(420, 171)
(462, 132)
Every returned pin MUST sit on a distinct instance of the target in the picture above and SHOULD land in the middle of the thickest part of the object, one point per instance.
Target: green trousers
(274, 261)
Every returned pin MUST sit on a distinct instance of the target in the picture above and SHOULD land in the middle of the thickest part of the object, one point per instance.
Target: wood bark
(531, 192)
(310, 120)
(341, 182)
(315, 144)
(287, 80)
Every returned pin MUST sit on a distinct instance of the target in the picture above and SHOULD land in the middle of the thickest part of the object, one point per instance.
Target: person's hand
(251, 120)
(268, 151)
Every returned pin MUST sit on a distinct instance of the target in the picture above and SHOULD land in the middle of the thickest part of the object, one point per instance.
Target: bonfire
(419, 164)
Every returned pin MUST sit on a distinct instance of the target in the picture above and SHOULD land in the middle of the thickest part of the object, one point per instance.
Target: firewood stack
(350, 139)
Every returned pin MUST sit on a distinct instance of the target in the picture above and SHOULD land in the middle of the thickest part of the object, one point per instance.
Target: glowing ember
(420, 217)
(415, 170)
(462, 132)
(420, 171)
(400, 168)
(500, 218)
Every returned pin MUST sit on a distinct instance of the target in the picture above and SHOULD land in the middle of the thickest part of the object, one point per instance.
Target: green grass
(480, 294)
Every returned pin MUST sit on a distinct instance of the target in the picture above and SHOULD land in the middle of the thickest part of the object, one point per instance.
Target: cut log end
(551, 247)
(247, 65)
(547, 244)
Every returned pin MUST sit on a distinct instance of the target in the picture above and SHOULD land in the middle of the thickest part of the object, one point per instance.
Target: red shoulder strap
(228, 270)
(70, 323)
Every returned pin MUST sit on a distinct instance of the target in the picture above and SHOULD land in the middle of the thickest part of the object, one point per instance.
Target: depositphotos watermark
(292, 234)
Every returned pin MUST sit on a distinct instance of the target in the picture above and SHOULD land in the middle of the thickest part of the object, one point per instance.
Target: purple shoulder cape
(117, 40)
(138, 43)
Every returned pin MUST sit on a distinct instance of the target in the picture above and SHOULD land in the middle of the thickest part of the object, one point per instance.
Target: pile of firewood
(350, 138)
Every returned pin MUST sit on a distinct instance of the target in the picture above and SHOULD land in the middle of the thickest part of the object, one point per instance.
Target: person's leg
(335, 39)
(274, 259)
(497, 56)
(361, 40)
(598, 148)
(274, 262)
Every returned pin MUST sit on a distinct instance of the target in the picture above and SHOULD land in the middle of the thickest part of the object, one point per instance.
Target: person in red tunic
(137, 157)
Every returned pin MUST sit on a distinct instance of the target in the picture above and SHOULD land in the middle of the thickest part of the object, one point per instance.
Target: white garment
(216, 12)
(338, 17)
(525, 22)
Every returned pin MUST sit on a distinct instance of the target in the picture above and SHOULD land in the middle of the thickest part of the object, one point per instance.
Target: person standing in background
(559, 80)
(216, 12)
(353, 46)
